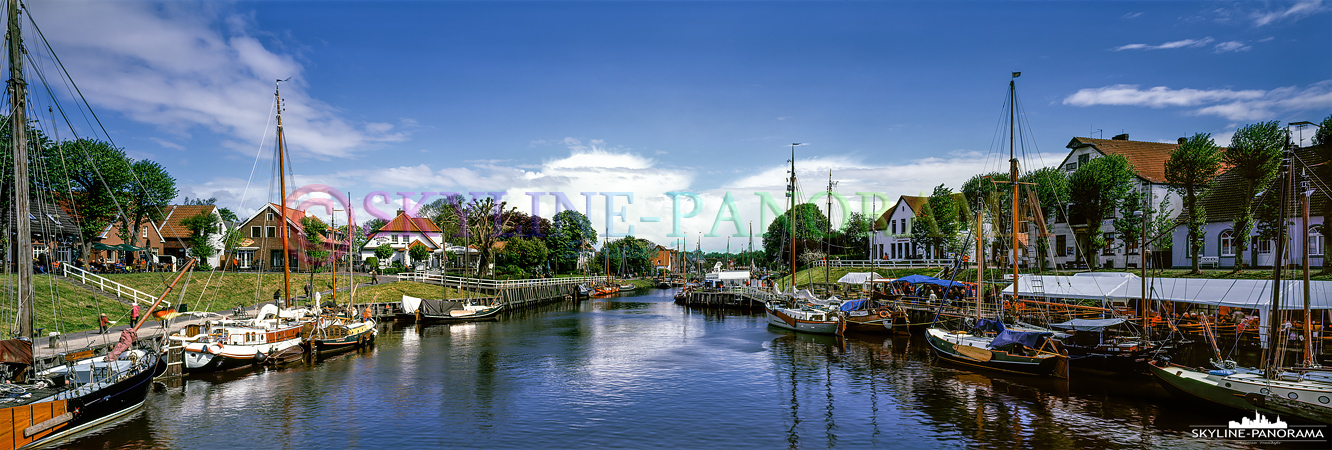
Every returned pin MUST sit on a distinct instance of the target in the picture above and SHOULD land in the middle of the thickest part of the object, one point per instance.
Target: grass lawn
(817, 275)
(74, 309)
(393, 292)
(220, 291)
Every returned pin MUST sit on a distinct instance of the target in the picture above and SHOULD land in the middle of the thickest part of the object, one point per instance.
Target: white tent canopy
(1090, 285)
(859, 278)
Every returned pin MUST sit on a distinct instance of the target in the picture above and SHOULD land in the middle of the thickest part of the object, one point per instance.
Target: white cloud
(167, 144)
(1299, 10)
(179, 68)
(1245, 105)
(1232, 46)
(1168, 45)
(1132, 15)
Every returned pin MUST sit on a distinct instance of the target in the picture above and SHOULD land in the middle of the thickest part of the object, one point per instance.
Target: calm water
(641, 372)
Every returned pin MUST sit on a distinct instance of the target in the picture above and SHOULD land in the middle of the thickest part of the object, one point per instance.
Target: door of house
(1265, 255)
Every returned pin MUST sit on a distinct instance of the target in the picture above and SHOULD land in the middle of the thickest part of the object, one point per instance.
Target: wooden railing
(106, 285)
(887, 264)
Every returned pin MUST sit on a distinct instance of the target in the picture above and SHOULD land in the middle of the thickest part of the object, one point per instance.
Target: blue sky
(650, 98)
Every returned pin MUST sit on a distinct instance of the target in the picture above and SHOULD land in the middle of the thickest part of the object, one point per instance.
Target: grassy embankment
(816, 275)
(220, 291)
(75, 309)
(393, 292)
(819, 275)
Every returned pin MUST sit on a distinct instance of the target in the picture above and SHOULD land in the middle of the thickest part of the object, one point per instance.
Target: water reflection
(639, 372)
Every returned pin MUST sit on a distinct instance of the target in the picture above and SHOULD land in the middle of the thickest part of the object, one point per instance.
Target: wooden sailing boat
(332, 332)
(274, 335)
(793, 312)
(444, 310)
(43, 405)
(1303, 390)
(990, 344)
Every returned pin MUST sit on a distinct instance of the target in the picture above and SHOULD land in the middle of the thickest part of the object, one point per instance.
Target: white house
(175, 236)
(401, 234)
(1148, 160)
(891, 238)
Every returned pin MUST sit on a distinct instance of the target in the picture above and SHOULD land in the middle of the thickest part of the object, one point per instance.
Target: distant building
(175, 236)
(54, 234)
(260, 247)
(666, 259)
(401, 234)
(891, 238)
(149, 237)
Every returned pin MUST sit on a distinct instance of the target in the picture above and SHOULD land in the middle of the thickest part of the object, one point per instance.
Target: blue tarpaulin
(989, 325)
(852, 305)
(919, 279)
(1027, 338)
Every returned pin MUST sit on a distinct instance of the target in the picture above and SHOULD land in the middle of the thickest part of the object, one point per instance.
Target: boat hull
(83, 409)
(966, 355)
(782, 320)
(362, 335)
(488, 314)
(1246, 392)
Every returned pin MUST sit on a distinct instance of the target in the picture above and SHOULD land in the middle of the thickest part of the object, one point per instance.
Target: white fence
(890, 264)
(106, 285)
(482, 283)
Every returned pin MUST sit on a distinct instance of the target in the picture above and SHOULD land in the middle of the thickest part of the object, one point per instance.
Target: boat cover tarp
(410, 304)
(16, 351)
(432, 307)
(990, 325)
(859, 278)
(854, 305)
(919, 279)
(1087, 324)
(1031, 339)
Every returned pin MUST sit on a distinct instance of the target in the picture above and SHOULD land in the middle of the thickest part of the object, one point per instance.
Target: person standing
(134, 314)
(374, 277)
(103, 322)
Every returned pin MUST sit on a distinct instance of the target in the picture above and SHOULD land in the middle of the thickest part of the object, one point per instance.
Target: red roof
(404, 223)
(172, 227)
(1147, 158)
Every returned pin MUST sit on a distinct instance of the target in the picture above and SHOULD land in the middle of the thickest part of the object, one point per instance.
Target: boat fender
(215, 349)
(883, 312)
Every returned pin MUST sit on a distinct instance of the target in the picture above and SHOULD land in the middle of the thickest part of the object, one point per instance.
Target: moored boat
(795, 316)
(454, 311)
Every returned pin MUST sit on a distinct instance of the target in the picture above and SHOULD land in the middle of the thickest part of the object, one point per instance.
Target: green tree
(95, 175)
(228, 215)
(854, 237)
(570, 233)
(1051, 186)
(1254, 154)
(936, 230)
(1190, 170)
(628, 255)
(202, 228)
(149, 190)
(1095, 190)
(1323, 138)
(485, 223)
(809, 224)
(526, 253)
(317, 250)
(418, 252)
(384, 252)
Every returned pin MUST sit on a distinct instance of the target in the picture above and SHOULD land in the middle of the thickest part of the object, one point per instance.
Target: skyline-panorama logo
(1260, 428)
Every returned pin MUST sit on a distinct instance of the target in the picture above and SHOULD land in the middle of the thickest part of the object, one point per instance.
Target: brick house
(260, 244)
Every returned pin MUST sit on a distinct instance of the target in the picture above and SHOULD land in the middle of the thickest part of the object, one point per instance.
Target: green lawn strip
(821, 275)
(642, 284)
(219, 291)
(393, 292)
(61, 306)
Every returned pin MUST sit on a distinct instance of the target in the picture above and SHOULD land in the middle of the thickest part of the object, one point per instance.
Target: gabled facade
(891, 239)
(54, 234)
(665, 259)
(175, 236)
(260, 245)
(1225, 203)
(401, 234)
(148, 236)
(1148, 160)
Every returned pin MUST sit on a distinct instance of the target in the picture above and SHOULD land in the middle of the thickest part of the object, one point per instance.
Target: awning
(859, 278)
(101, 246)
(1086, 324)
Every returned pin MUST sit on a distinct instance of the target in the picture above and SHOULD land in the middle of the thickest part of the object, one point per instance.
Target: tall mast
(827, 239)
(791, 215)
(1013, 177)
(282, 191)
(1275, 308)
(980, 261)
(18, 124)
(1308, 317)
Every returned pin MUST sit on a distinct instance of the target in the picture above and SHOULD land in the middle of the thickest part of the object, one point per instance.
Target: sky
(651, 106)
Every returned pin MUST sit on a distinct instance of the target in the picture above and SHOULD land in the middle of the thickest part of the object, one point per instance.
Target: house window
(272, 232)
(1071, 166)
(1131, 247)
(1109, 245)
(269, 217)
(1264, 246)
(1201, 250)
(1061, 244)
(145, 232)
(245, 258)
(254, 232)
(1228, 242)
(1083, 158)
(894, 227)
(1316, 240)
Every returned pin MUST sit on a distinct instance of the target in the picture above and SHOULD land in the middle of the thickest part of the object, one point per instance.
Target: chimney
(1183, 140)
(1120, 137)
(399, 213)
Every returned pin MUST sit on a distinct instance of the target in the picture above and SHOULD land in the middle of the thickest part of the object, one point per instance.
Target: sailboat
(331, 332)
(42, 406)
(276, 334)
(989, 343)
(797, 311)
(1303, 390)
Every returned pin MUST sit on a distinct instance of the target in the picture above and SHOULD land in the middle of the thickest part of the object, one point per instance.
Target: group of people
(104, 323)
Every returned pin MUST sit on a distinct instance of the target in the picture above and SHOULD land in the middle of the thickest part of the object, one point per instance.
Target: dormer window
(270, 217)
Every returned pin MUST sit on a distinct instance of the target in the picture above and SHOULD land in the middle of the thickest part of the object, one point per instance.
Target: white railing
(106, 285)
(890, 264)
(755, 293)
(482, 283)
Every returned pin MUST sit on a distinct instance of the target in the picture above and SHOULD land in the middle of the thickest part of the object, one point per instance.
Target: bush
(372, 263)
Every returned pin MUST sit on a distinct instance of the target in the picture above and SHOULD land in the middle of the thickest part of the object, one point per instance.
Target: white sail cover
(859, 278)
(410, 304)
